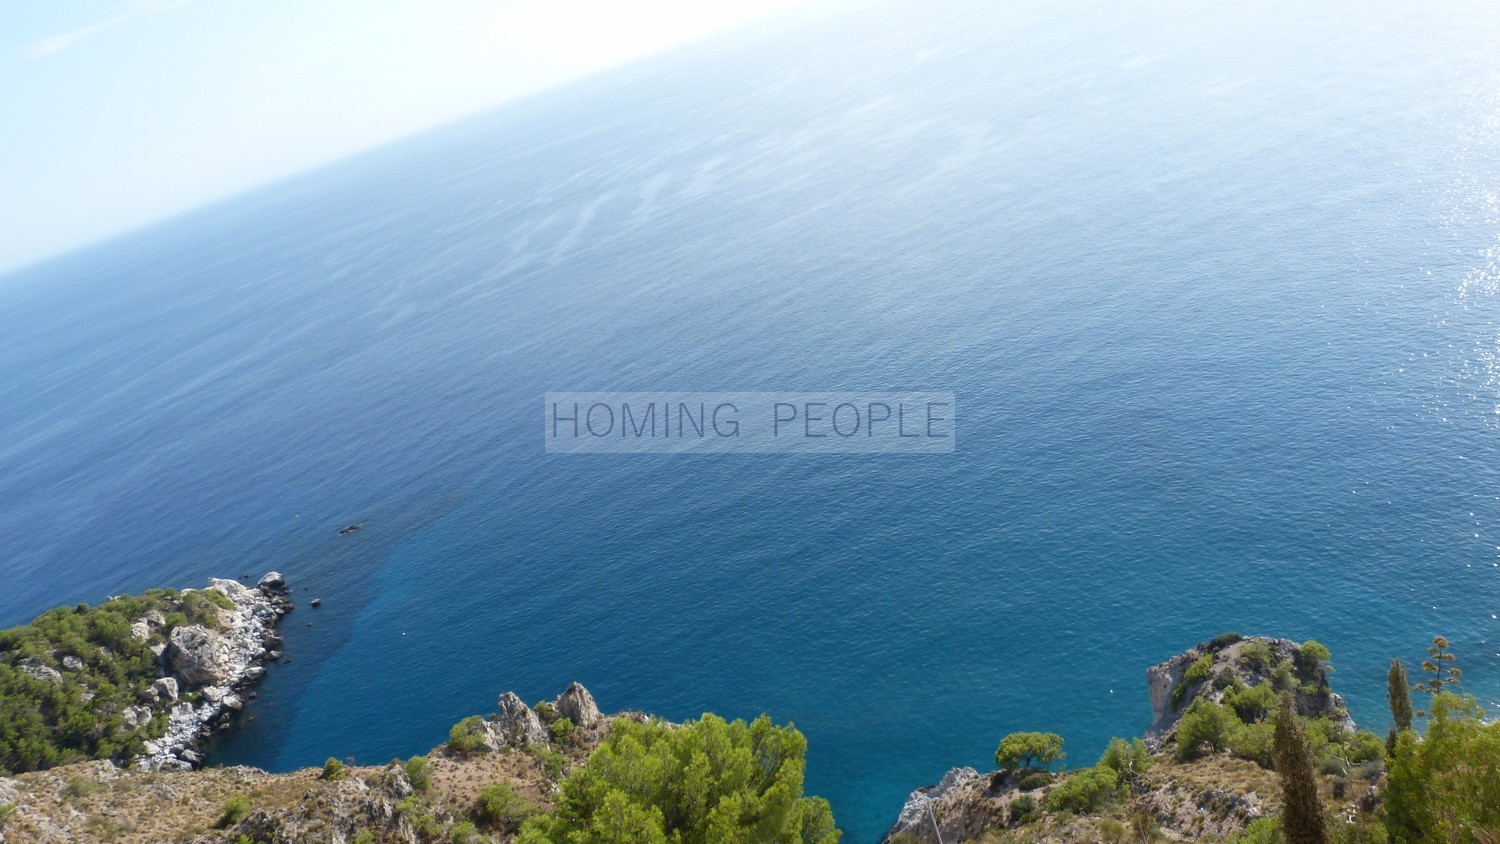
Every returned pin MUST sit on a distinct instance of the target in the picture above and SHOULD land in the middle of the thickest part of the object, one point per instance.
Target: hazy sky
(114, 113)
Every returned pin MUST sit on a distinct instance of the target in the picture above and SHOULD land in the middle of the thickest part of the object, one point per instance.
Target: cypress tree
(1301, 811)
(1398, 692)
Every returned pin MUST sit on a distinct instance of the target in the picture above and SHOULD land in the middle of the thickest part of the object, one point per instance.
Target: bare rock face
(920, 816)
(45, 673)
(1247, 660)
(515, 724)
(577, 705)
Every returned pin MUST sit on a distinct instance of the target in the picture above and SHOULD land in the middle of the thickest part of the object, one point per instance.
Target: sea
(1213, 286)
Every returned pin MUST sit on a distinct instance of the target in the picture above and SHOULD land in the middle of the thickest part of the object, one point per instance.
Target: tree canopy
(1019, 751)
(703, 782)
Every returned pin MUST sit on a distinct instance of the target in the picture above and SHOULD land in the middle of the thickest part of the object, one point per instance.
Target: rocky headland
(1212, 790)
(143, 681)
(215, 665)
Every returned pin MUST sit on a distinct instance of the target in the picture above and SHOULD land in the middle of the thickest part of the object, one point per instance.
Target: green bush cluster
(236, 809)
(44, 724)
(467, 736)
(1128, 759)
(419, 772)
(500, 808)
(1446, 785)
(1083, 791)
(1241, 725)
(333, 770)
(1224, 640)
(704, 781)
(1200, 671)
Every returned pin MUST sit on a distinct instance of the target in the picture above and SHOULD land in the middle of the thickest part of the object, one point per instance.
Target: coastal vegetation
(1251, 746)
(702, 782)
(69, 678)
(1261, 752)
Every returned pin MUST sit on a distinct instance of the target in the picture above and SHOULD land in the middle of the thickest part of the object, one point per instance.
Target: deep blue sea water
(1215, 289)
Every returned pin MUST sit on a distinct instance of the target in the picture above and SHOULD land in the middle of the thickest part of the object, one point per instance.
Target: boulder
(199, 655)
(72, 663)
(136, 717)
(45, 673)
(272, 583)
(577, 705)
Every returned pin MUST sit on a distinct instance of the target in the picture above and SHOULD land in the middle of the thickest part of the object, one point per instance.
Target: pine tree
(1398, 692)
(1302, 811)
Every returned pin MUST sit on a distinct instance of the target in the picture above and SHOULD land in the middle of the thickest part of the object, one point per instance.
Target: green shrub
(1251, 703)
(8, 813)
(1128, 759)
(562, 730)
(1201, 670)
(1205, 723)
(499, 807)
(1023, 809)
(706, 780)
(1360, 831)
(1282, 679)
(1258, 656)
(552, 761)
(463, 832)
(333, 770)
(1312, 656)
(1083, 791)
(1034, 780)
(467, 736)
(1252, 742)
(1224, 640)
(1260, 831)
(236, 809)
(545, 711)
(419, 771)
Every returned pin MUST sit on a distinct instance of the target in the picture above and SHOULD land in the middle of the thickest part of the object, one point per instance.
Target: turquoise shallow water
(1214, 289)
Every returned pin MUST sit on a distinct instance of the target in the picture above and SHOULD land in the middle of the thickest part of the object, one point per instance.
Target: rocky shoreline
(209, 669)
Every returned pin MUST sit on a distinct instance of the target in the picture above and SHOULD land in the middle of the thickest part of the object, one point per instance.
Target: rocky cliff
(1158, 788)
(423, 799)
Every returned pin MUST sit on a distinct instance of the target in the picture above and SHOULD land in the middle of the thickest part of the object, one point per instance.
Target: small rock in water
(345, 531)
(317, 602)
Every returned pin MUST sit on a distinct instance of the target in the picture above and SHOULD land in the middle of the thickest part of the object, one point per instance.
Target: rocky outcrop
(920, 815)
(46, 673)
(1247, 660)
(514, 724)
(577, 705)
(215, 665)
(1208, 796)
